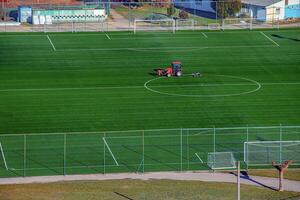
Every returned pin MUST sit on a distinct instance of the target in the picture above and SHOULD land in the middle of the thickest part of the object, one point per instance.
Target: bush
(171, 10)
(183, 15)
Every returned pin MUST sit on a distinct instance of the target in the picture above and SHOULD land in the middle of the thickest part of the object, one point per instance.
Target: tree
(171, 10)
(226, 8)
(183, 14)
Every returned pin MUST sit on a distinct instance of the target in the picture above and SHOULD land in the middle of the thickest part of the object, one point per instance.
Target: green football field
(90, 84)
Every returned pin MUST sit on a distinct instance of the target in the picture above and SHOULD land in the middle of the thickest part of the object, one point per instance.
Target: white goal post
(154, 25)
(185, 24)
(237, 23)
(260, 153)
(213, 26)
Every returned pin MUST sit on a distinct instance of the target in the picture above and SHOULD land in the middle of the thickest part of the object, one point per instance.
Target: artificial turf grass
(136, 189)
(123, 109)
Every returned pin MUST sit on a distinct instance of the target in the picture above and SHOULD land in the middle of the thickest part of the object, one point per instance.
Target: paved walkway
(270, 183)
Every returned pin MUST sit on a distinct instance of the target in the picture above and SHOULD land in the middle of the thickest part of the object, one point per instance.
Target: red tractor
(174, 70)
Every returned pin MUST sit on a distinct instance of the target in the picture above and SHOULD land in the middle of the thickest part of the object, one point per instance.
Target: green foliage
(183, 14)
(171, 10)
(226, 8)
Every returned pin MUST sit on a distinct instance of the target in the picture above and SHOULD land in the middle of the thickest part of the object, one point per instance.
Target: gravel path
(271, 183)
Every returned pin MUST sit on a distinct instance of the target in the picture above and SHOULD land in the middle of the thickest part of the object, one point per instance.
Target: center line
(107, 36)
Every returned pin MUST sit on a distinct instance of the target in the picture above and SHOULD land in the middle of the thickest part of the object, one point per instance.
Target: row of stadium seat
(78, 18)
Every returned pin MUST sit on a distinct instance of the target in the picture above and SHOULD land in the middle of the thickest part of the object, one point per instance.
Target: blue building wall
(258, 12)
(292, 11)
(197, 7)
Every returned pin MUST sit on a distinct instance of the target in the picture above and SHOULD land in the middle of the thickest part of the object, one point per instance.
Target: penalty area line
(204, 35)
(270, 39)
(107, 36)
(199, 157)
(51, 42)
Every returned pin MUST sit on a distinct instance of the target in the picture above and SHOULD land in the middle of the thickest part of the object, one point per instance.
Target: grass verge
(291, 174)
(137, 189)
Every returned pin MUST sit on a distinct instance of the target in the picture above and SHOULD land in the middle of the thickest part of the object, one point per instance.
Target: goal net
(237, 23)
(154, 25)
(221, 160)
(213, 26)
(259, 153)
(185, 24)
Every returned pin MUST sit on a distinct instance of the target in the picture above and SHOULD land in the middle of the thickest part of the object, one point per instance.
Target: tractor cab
(177, 68)
(174, 70)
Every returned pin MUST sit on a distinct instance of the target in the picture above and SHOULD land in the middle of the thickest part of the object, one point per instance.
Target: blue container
(25, 14)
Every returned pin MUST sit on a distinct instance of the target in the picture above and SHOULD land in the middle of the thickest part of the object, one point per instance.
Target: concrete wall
(276, 11)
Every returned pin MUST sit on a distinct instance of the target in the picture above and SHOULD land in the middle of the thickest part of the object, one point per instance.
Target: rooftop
(260, 2)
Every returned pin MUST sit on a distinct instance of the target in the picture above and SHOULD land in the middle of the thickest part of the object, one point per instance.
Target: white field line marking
(169, 48)
(204, 35)
(107, 36)
(51, 43)
(137, 87)
(3, 156)
(110, 151)
(199, 157)
(269, 39)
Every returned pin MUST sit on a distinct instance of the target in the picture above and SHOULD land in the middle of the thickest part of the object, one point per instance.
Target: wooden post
(281, 168)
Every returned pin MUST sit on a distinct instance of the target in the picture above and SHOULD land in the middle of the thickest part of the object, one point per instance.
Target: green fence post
(280, 138)
(188, 149)
(181, 150)
(65, 152)
(24, 156)
(214, 139)
(103, 155)
(247, 148)
(143, 151)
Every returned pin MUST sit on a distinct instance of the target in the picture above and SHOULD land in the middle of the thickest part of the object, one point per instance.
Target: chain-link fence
(74, 16)
(130, 151)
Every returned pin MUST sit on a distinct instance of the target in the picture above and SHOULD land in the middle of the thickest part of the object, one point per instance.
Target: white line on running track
(137, 87)
(269, 38)
(51, 43)
(107, 36)
(204, 35)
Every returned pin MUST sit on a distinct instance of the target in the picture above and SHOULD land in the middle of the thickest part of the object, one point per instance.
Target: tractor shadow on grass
(244, 175)
(288, 38)
(152, 74)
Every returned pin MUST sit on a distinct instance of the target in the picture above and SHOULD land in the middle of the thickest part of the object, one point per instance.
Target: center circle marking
(258, 87)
